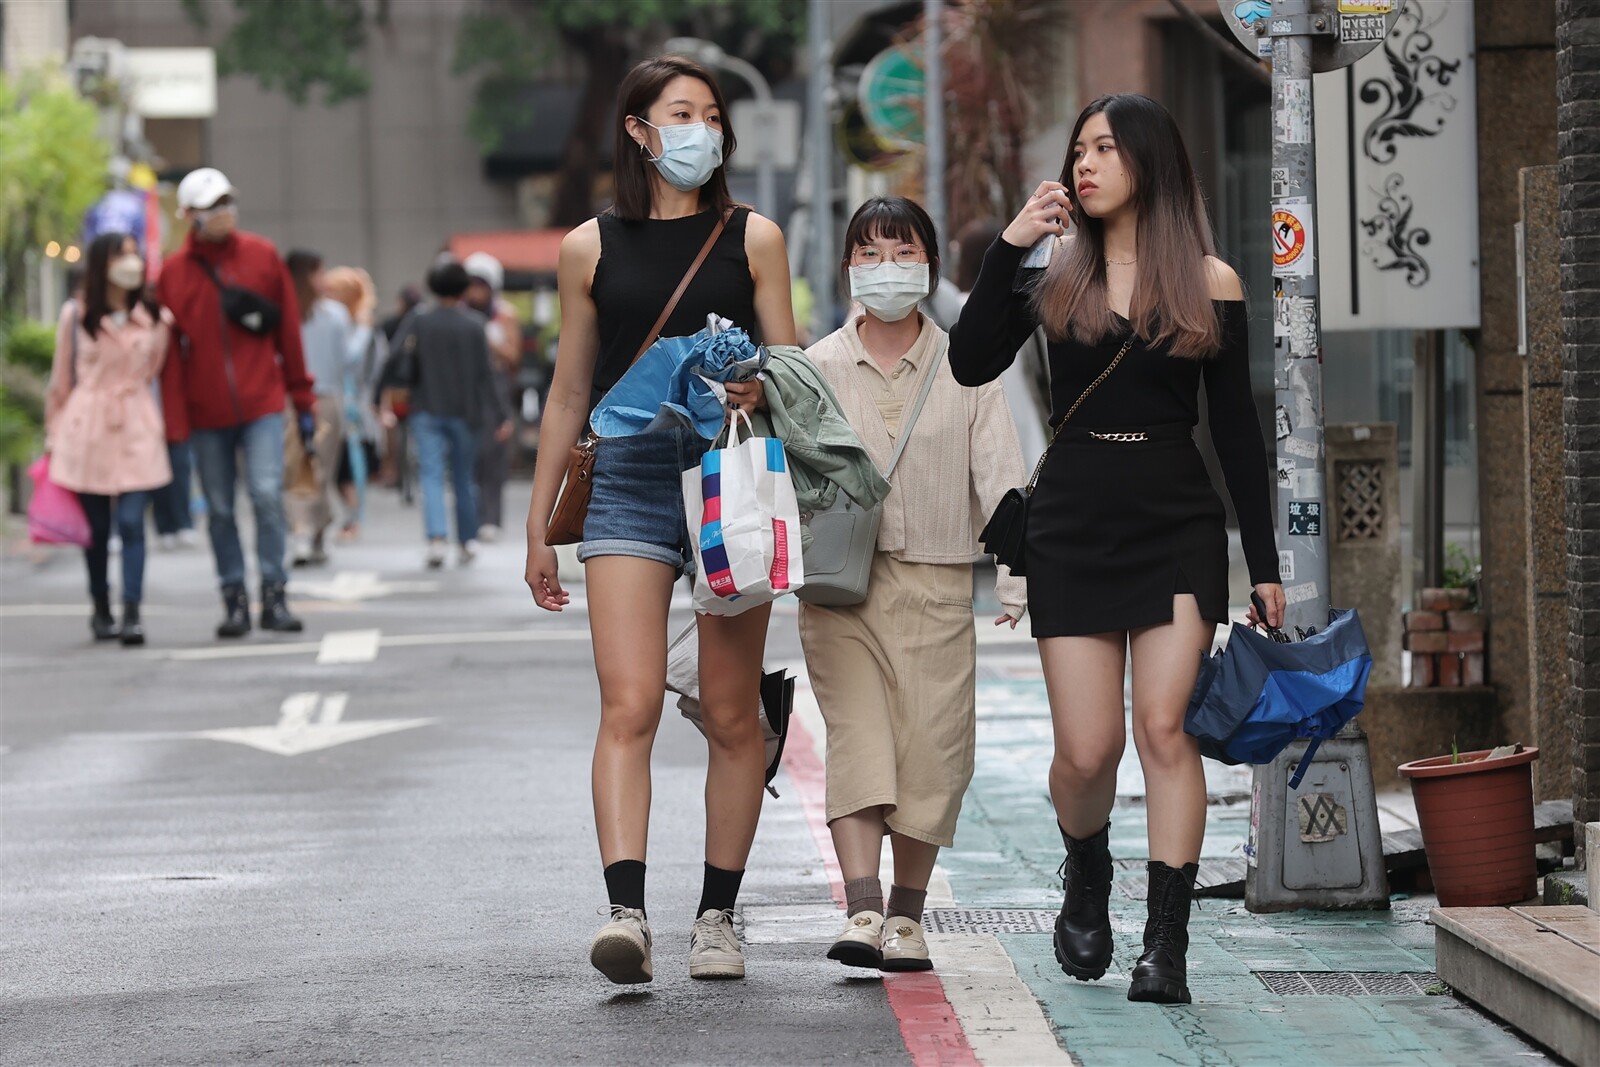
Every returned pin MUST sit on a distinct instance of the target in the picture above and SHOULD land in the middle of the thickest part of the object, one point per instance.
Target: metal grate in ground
(988, 921)
(1348, 983)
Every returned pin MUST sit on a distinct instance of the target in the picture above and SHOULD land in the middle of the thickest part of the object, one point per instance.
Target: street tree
(299, 46)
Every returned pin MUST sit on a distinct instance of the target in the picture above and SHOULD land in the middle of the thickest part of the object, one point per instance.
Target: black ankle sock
(863, 894)
(720, 891)
(625, 883)
(907, 902)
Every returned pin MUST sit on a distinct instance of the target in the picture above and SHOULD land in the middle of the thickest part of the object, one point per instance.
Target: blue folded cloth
(679, 382)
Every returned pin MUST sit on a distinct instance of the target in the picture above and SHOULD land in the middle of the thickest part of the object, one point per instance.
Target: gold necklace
(1122, 262)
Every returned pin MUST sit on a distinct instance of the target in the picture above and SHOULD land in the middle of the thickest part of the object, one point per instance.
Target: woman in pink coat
(105, 434)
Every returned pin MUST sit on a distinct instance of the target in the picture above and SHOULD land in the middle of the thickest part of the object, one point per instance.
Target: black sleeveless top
(641, 264)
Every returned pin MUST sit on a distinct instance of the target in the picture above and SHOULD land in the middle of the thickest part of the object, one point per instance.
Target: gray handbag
(844, 537)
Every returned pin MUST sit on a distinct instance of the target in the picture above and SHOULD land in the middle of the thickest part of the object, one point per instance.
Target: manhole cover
(988, 921)
(1348, 983)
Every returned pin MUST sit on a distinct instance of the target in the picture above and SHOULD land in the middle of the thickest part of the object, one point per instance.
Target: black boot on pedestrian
(275, 613)
(102, 623)
(1083, 929)
(1162, 974)
(132, 628)
(236, 602)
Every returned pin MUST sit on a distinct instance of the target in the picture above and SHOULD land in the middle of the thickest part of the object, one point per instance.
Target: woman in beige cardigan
(895, 675)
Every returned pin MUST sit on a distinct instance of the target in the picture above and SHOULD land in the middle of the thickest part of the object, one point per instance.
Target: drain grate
(988, 921)
(1348, 983)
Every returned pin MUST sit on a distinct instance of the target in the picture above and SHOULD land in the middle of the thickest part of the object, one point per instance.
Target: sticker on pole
(1362, 29)
(1365, 7)
(1291, 239)
(1305, 518)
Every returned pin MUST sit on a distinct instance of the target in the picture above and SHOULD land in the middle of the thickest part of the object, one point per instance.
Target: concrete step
(1538, 968)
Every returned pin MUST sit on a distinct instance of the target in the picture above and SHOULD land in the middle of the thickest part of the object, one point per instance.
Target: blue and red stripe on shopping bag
(713, 555)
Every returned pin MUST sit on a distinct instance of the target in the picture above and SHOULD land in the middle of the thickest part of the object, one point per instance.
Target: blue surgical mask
(689, 153)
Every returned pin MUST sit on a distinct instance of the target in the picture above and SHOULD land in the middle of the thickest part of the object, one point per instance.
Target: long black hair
(302, 264)
(96, 304)
(899, 218)
(631, 170)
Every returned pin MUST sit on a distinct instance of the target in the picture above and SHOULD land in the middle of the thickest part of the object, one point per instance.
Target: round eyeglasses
(870, 256)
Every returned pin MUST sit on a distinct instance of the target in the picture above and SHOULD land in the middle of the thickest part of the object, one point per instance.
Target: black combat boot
(132, 628)
(275, 613)
(1083, 929)
(1162, 975)
(102, 623)
(236, 602)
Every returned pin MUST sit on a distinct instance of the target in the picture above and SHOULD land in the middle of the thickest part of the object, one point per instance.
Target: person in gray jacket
(443, 356)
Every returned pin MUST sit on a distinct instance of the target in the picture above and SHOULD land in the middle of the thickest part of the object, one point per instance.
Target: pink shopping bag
(55, 517)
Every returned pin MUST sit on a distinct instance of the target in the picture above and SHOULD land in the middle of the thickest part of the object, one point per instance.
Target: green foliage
(52, 168)
(31, 345)
(1462, 571)
(296, 46)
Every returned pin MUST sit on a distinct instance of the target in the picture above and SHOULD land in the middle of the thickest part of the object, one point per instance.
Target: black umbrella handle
(1261, 612)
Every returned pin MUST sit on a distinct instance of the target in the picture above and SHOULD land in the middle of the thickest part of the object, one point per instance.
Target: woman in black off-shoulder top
(1127, 551)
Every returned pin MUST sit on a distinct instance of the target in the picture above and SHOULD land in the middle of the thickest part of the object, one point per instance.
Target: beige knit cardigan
(962, 457)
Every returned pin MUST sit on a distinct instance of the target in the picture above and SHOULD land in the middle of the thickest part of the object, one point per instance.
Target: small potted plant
(1476, 814)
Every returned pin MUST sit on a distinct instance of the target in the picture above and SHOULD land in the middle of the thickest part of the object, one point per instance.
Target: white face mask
(890, 290)
(689, 153)
(126, 272)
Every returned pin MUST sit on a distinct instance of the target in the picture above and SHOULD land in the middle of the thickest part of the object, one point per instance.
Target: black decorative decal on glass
(1408, 49)
(1397, 241)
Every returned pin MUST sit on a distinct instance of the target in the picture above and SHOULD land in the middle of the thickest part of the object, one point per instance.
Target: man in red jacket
(235, 360)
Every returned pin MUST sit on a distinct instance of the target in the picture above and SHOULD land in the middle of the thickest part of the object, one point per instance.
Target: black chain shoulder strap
(1039, 469)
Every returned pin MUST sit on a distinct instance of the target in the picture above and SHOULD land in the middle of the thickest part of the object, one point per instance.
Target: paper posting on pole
(1293, 225)
(1293, 115)
(1397, 173)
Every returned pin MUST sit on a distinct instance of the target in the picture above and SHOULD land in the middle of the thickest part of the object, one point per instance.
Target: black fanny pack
(245, 308)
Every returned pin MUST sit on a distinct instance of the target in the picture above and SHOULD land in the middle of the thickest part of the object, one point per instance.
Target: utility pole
(819, 150)
(933, 115)
(1319, 846)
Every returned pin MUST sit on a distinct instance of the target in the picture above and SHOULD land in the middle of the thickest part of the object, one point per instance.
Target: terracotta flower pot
(1477, 826)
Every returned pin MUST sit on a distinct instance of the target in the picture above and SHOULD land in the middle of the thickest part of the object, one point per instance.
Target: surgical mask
(126, 272)
(203, 219)
(890, 290)
(689, 153)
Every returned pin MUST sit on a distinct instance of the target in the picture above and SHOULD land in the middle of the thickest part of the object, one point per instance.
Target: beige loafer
(860, 943)
(905, 945)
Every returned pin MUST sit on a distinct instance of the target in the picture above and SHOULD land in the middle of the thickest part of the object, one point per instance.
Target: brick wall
(1578, 143)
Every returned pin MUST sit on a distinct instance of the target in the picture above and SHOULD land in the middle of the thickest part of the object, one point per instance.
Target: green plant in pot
(1476, 814)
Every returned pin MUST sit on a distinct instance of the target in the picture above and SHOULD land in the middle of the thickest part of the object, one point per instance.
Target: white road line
(299, 648)
(349, 646)
(295, 711)
(333, 706)
(289, 648)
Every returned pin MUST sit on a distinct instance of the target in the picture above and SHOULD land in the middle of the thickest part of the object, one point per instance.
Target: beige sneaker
(714, 948)
(621, 950)
(859, 945)
(905, 946)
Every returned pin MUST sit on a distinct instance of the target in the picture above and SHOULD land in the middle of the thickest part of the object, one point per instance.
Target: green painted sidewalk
(1006, 854)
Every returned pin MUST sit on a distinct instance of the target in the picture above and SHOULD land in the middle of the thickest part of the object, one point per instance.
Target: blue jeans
(216, 455)
(441, 439)
(128, 515)
(171, 506)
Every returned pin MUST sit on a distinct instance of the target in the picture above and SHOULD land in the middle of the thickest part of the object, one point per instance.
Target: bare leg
(913, 861)
(730, 685)
(628, 603)
(1083, 676)
(1165, 661)
(858, 839)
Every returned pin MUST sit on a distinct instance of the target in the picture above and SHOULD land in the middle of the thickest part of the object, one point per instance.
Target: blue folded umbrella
(1261, 692)
(679, 381)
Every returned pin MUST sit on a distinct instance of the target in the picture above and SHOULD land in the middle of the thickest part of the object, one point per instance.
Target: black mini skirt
(1117, 527)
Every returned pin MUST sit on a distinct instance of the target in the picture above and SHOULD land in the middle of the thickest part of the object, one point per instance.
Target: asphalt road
(420, 888)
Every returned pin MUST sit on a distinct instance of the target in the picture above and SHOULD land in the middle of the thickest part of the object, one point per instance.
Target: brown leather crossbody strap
(672, 304)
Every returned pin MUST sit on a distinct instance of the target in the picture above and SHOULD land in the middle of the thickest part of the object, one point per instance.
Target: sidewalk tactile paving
(1348, 983)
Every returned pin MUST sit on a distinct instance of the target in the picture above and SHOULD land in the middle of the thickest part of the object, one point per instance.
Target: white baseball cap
(485, 268)
(202, 188)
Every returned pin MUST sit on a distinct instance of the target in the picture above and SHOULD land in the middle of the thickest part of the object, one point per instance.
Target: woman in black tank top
(616, 274)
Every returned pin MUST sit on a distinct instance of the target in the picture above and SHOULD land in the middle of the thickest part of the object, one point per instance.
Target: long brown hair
(1172, 293)
(640, 89)
(302, 265)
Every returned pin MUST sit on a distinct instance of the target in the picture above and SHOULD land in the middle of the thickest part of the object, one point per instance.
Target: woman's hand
(749, 396)
(1002, 620)
(1272, 594)
(1044, 215)
(541, 575)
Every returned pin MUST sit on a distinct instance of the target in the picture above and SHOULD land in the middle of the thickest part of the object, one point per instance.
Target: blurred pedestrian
(396, 469)
(234, 356)
(442, 360)
(1127, 551)
(363, 434)
(325, 329)
(505, 356)
(617, 275)
(105, 435)
(896, 675)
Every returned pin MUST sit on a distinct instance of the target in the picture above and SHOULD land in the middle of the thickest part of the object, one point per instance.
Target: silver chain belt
(1120, 438)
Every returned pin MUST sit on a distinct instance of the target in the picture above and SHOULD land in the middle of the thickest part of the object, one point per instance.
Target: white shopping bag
(744, 522)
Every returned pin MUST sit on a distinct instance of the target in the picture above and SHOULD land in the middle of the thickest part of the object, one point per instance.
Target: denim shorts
(636, 503)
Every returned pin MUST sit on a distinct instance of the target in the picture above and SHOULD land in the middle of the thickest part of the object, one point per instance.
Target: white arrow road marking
(307, 722)
(352, 586)
(300, 648)
(349, 646)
